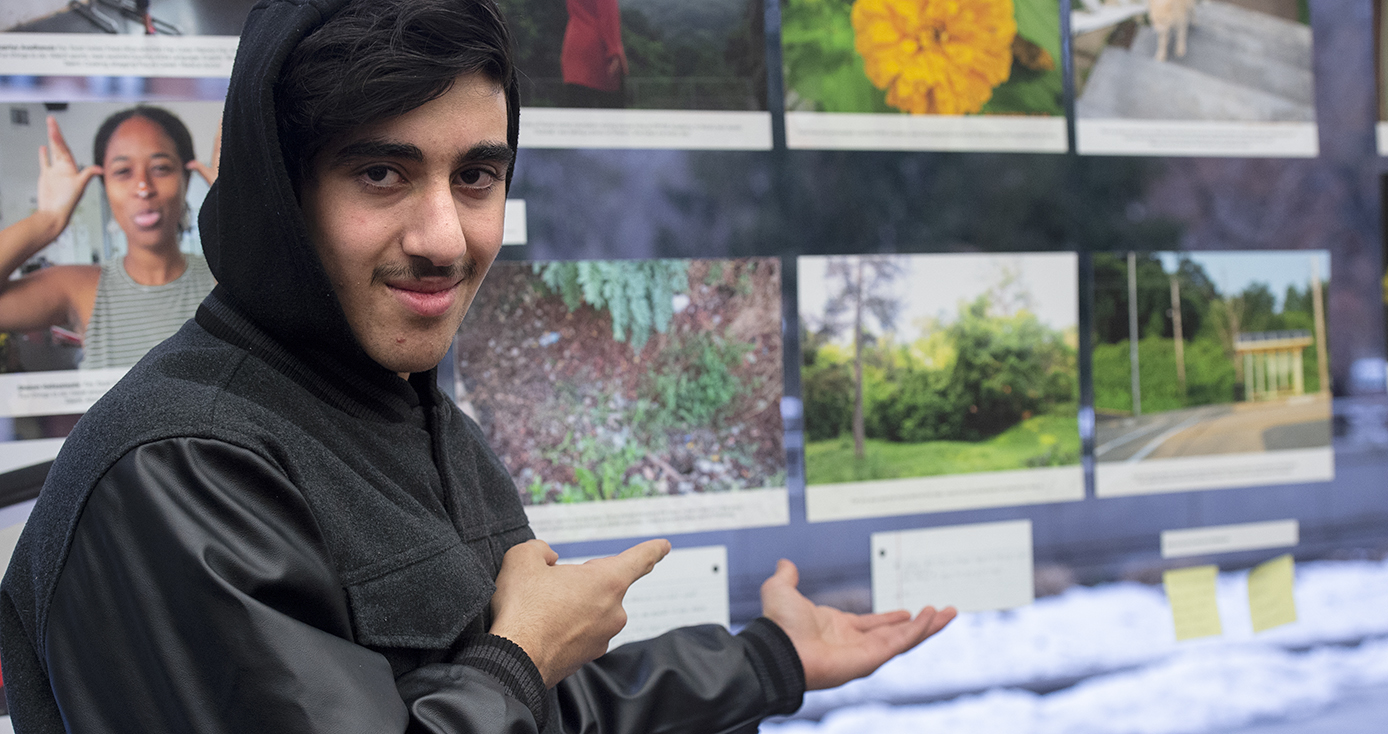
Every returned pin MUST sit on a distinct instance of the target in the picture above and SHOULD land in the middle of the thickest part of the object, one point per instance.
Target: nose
(437, 231)
(142, 188)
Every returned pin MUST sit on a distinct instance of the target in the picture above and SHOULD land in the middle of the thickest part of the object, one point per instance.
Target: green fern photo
(609, 380)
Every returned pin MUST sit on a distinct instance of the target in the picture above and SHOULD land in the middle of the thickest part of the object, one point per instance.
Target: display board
(978, 303)
(938, 382)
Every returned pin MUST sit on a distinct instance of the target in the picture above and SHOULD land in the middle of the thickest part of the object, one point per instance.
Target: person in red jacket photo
(593, 60)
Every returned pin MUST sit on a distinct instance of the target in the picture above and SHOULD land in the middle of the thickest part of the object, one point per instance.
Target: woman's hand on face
(209, 173)
(61, 183)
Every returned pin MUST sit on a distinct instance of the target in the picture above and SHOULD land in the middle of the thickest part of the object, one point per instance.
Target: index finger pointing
(639, 559)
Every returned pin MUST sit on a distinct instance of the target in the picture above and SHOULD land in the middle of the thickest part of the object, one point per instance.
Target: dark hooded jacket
(260, 529)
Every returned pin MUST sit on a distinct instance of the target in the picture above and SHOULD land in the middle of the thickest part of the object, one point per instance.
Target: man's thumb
(786, 573)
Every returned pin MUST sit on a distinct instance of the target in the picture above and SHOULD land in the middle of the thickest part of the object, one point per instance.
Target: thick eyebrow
(128, 158)
(488, 152)
(491, 152)
(376, 148)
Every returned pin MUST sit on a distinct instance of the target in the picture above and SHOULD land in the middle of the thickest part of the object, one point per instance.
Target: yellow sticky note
(1270, 597)
(1191, 592)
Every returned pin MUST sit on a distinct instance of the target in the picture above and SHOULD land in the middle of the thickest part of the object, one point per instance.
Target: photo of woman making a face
(119, 309)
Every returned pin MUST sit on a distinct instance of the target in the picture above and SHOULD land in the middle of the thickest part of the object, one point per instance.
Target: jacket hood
(253, 232)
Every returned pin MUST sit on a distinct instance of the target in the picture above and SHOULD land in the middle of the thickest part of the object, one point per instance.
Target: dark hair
(168, 121)
(378, 59)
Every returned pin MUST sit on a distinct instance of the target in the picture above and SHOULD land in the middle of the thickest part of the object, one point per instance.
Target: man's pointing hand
(564, 616)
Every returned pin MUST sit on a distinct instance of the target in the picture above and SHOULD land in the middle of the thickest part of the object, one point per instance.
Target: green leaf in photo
(822, 66)
(1029, 91)
(1038, 21)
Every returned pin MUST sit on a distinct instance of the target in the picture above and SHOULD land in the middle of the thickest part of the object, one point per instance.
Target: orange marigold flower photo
(941, 57)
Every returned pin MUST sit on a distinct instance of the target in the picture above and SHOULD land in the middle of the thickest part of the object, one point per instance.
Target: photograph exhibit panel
(1194, 78)
(938, 382)
(631, 397)
(641, 73)
(176, 41)
(1211, 370)
(54, 367)
(980, 75)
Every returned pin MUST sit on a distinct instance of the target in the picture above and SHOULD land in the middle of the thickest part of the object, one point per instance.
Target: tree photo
(927, 365)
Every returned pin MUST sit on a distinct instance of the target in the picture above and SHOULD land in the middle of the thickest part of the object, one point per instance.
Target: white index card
(1229, 538)
(515, 229)
(971, 567)
(688, 587)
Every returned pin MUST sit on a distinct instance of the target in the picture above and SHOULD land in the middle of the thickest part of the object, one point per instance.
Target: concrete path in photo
(1240, 65)
(1292, 423)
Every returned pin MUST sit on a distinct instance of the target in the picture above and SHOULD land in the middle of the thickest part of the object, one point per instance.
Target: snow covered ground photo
(1105, 659)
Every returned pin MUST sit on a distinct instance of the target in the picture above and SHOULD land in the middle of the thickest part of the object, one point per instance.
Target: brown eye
(477, 178)
(381, 176)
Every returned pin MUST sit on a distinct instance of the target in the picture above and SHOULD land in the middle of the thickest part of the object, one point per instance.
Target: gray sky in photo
(935, 284)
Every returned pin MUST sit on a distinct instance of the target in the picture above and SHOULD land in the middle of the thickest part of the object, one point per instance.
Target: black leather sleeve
(198, 596)
(695, 679)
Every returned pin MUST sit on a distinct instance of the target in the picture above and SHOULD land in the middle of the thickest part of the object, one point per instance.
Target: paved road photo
(1292, 423)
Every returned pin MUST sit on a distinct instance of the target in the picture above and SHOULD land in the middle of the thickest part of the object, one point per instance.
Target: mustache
(418, 268)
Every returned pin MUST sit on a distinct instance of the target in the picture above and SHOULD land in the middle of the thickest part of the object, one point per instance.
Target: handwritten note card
(974, 568)
(688, 587)
(1270, 598)
(1191, 592)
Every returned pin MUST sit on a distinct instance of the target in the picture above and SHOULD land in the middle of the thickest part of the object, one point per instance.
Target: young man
(278, 523)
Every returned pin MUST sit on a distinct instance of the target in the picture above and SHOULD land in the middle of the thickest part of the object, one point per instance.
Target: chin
(421, 359)
(152, 240)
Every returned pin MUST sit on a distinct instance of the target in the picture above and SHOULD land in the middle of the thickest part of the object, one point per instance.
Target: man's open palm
(835, 646)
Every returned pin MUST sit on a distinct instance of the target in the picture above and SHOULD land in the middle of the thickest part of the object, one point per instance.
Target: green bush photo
(989, 387)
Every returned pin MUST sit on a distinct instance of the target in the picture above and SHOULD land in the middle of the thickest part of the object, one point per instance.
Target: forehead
(472, 111)
(139, 136)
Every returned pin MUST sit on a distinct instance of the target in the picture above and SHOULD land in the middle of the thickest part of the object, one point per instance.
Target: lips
(145, 220)
(429, 297)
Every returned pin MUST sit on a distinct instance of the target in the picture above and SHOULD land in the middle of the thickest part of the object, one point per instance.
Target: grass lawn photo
(1044, 440)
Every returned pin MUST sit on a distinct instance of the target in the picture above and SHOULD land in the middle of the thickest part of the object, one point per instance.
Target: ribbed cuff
(777, 665)
(507, 662)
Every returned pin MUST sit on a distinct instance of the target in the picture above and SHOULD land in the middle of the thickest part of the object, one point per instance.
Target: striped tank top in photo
(129, 319)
